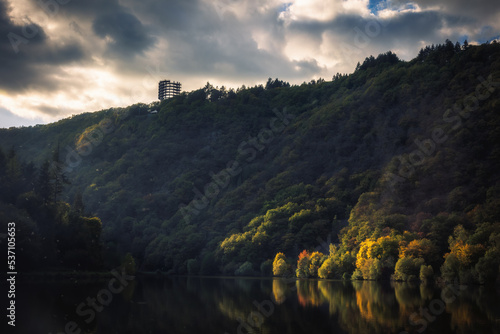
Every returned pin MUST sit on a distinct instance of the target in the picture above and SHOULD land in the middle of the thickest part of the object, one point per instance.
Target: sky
(63, 57)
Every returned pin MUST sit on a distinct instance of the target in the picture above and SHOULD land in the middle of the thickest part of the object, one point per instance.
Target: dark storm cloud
(204, 53)
(49, 110)
(124, 33)
(411, 27)
(373, 35)
(127, 34)
(84, 9)
(27, 56)
(477, 8)
(210, 39)
(477, 17)
(181, 15)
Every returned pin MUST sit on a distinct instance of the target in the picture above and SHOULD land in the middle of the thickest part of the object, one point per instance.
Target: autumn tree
(376, 257)
(280, 266)
(460, 261)
(417, 248)
(315, 262)
(303, 263)
(338, 264)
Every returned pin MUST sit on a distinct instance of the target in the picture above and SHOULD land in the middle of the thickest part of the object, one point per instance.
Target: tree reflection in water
(228, 305)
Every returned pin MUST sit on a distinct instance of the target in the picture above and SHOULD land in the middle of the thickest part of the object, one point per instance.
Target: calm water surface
(249, 305)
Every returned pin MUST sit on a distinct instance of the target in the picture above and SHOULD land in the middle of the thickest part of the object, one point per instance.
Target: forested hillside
(395, 165)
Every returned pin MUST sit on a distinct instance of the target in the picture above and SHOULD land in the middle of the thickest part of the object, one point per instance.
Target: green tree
(57, 175)
(266, 268)
(328, 269)
(78, 206)
(128, 264)
(42, 186)
(408, 268)
(246, 269)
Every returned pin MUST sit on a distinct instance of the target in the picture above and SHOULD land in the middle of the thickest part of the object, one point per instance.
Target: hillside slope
(220, 179)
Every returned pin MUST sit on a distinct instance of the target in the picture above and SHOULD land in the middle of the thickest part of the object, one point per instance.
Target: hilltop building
(168, 89)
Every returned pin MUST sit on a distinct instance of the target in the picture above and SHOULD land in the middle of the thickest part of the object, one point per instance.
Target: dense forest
(388, 172)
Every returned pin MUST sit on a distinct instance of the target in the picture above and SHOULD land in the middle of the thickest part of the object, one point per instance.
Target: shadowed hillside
(378, 162)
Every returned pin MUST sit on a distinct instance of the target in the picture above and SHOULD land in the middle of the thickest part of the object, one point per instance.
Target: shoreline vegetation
(96, 276)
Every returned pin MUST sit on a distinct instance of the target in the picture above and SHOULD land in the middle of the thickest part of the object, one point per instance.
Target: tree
(266, 268)
(328, 269)
(128, 264)
(450, 268)
(303, 264)
(426, 273)
(338, 264)
(246, 269)
(276, 83)
(465, 46)
(460, 262)
(419, 248)
(43, 186)
(377, 255)
(14, 171)
(408, 268)
(57, 176)
(315, 262)
(280, 267)
(78, 206)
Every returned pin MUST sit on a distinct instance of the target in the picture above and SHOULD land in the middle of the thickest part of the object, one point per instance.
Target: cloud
(124, 33)
(95, 54)
(29, 58)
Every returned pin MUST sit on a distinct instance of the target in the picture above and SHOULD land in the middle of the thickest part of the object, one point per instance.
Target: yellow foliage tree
(417, 248)
(280, 267)
(315, 262)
